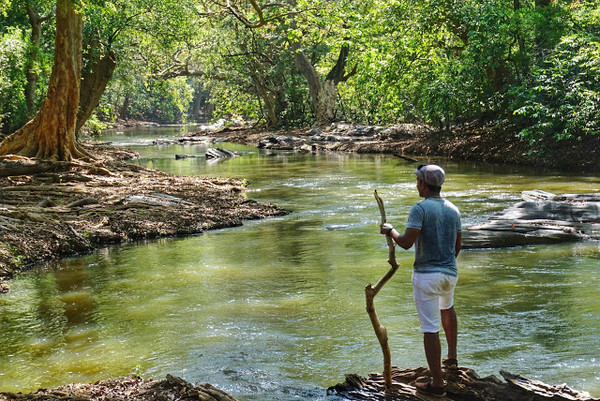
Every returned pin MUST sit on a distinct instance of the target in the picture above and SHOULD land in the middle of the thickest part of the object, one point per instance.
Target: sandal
(427, 389)
(450, 364)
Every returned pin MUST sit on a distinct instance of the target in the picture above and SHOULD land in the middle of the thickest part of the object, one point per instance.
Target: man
(434, 227)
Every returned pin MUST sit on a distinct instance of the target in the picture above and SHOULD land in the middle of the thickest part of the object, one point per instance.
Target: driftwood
(218, 153)
(181, 156)
(155, 199)
(468, 387)
(371, 292)
(541, 218)
(12, 165)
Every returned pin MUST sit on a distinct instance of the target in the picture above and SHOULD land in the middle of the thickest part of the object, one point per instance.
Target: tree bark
(94, 84)
(269, 101)
(324, 94)
(50, 135)
(36, 21)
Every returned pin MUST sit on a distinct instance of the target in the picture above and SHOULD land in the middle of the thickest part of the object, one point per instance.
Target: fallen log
(181, 156)
(541, 218)
(468, 387)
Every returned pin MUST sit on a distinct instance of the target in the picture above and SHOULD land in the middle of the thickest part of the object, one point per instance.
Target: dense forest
(531, 67)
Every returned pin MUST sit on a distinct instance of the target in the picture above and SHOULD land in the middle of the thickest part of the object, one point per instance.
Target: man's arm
(458, 245)
(405, 240)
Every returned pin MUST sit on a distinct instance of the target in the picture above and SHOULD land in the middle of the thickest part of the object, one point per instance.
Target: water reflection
(274, 310)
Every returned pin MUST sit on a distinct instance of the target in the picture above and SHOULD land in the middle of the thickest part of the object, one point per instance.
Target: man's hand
(386, 228)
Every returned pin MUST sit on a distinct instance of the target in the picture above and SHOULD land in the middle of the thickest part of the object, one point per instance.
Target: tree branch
(371, 292)
(238, 14)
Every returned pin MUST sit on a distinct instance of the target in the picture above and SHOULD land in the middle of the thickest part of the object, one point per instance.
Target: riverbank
(488, 144)
(132, 388)
(49, 211)
(52, 211)
(76, 176)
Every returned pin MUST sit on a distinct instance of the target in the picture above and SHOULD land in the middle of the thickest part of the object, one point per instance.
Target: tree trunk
(30, 73)
(50, 134)
(324, 94)
(93, 85)
(310, 73)
(36, 21)
(326, 103)
(124, 111)
(269, 101)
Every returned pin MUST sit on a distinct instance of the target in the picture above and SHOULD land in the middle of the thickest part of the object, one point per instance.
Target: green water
(275, 310)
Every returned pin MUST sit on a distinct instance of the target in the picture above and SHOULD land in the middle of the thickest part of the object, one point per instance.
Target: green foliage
(233, 105)
(563, 101)
(161, 101)
(94, 127)
(4, 7)
(440, 62)
(13, 48)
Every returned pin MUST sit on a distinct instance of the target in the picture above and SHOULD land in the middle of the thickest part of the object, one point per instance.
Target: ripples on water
(274, 310)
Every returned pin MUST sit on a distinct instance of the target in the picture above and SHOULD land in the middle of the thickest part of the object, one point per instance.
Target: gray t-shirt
(439, 222)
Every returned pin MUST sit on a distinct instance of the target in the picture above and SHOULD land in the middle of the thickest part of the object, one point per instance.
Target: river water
(275, 309)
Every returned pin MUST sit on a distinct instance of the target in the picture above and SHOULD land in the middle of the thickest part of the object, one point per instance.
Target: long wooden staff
(371, 292)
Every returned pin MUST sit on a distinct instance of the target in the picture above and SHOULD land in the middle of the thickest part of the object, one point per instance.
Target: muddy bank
(54, 210)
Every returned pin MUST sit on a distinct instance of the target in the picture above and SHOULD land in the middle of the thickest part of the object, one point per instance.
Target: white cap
(432, 174)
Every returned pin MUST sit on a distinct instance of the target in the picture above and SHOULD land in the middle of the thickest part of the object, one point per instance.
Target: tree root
(468, 387)
(132, 388)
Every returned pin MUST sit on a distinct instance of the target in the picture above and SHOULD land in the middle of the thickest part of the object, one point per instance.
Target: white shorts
(432, 292)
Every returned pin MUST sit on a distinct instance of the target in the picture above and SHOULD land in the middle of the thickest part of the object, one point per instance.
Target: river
(275, 309)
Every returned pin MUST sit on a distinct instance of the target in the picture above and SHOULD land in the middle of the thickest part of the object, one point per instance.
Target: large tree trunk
(50, 134)
(323, 94)
(269, 101)
(94, 84)
(31, 74)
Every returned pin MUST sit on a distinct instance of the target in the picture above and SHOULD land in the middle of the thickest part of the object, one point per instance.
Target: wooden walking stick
(371, 292)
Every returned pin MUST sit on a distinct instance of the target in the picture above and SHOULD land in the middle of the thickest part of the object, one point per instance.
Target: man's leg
(433, 352)
(450, 324)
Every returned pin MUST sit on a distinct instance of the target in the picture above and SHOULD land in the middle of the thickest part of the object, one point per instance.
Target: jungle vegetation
(530, 66)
